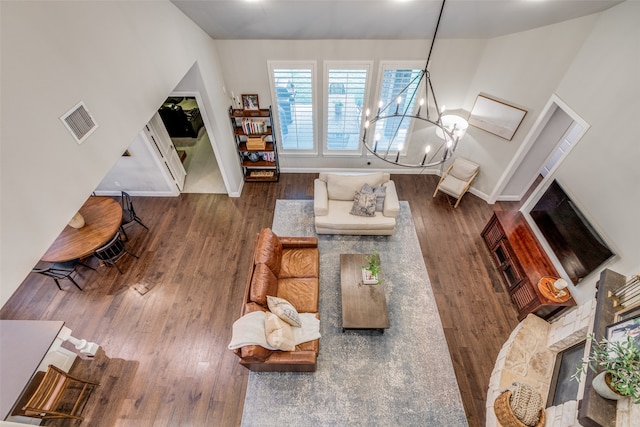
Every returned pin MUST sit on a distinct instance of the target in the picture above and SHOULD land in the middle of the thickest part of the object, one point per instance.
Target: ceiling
(379, 19)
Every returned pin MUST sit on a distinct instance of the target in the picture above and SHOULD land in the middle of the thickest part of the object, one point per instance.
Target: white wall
(217, 125)
(522, 69)
(453, 65)
(590, 63)
(122, 59)
(549, 138)
(138, 173)
(602, 172)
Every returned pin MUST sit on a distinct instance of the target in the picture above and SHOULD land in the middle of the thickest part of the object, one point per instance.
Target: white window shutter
(294, 109)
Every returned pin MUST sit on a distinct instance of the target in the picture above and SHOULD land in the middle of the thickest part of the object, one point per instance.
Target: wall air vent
(79, 122)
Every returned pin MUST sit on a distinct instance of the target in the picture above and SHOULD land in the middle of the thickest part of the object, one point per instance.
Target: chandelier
(443, 132)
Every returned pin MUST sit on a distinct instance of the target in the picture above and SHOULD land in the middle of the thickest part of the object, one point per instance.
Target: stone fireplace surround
(528, 356)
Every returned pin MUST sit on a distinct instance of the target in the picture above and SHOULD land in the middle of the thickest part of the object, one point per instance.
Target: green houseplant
(371, 270)
(619, 362)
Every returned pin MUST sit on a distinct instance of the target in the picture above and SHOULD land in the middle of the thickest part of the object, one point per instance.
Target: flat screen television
(574, 241)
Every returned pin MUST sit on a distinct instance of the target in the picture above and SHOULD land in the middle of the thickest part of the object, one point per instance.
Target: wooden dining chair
(57, 396)
(128, 213)
(112, 251)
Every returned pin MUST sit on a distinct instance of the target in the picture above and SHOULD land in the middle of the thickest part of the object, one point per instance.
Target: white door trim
(157, 133)
(208, 127)
(548, 110)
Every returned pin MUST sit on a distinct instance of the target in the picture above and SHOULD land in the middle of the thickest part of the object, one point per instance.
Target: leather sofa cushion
(263, 283)
(250, 307)
(254, 353)
(292, 361)
(269, 250)
(302, 293)
(299, 262)
(344, 187)
(309, 346)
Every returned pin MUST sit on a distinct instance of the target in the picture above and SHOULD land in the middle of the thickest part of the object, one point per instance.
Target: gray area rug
(403, 377)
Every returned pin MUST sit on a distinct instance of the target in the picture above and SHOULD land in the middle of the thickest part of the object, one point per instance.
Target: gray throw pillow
(364, 204)
(366, 189)
(380, 193)
(284, 310)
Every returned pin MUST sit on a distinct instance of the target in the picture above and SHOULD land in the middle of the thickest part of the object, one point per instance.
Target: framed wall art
(250, 102)
(496, 117)
(629, 327)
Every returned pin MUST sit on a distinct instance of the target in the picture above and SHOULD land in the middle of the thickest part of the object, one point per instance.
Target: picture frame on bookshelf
(250, 102)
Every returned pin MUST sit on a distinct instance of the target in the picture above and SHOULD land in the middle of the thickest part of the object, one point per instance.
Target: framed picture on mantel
(619, 332)
(631, 311)
(496, 117)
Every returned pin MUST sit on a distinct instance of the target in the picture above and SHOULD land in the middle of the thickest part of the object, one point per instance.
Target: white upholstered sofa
(333, 200)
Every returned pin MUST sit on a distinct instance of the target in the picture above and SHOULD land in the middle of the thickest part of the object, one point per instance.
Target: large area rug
(403, 377)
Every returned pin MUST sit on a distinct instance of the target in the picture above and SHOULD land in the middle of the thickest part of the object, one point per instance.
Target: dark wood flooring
(163, 359)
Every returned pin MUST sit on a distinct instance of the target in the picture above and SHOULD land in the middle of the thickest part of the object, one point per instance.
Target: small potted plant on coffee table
(371, 270)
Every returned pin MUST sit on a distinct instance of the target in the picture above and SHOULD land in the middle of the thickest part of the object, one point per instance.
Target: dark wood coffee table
(363, 306)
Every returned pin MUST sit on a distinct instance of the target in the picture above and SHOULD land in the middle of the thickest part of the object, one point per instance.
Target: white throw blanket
(249, 330)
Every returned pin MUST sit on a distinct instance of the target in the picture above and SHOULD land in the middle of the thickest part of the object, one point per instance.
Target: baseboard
(472, 190)
(480, 194)
(153, 193)
(137, 193)
(409, 171)
(508, 199)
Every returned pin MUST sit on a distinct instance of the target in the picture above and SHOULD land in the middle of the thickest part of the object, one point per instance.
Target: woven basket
(505, 414)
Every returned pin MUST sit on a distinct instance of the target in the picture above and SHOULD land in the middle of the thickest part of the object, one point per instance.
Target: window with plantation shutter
(292, 88)
(346, 87)
(393, 131)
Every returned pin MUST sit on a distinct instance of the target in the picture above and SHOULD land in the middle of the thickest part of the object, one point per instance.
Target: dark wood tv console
(522, 262)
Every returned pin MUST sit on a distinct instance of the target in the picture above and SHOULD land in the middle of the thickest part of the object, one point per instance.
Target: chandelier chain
(448, 133)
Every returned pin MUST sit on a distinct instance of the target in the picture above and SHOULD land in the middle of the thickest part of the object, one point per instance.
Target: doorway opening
(183, 120)
(555, 133)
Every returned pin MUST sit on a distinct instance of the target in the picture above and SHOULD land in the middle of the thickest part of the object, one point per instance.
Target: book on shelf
(269, 156)
(254, 126)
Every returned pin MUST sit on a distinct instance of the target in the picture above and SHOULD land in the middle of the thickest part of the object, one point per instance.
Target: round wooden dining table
(102, 217)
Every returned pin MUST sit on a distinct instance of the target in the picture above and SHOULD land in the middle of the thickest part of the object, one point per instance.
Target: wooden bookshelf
(260, 165)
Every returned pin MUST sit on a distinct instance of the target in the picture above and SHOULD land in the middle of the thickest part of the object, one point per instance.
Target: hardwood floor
(164, 360)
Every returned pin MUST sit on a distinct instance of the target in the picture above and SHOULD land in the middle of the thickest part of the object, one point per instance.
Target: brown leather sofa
(285, 267)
